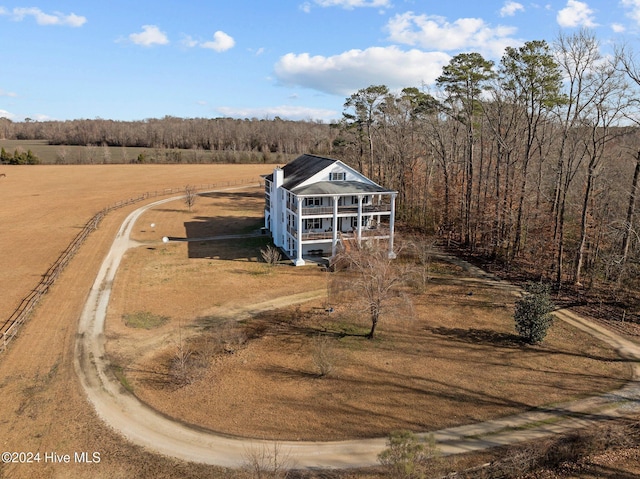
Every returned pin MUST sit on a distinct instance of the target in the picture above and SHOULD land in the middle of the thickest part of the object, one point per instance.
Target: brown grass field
(454, 361)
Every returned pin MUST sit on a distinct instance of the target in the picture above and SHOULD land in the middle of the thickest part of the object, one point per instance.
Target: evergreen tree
(533, 313)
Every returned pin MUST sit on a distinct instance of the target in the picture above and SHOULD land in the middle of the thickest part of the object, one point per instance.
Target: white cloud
(189, 42)
(435, 32)
(618, 28)
(10, 94)
(634, 6)
(41, 18)
(351, 4)
(221, 42)
(285, 111)
(350, 71)
(575, 14)
(42, 117)
(6, 114)
(510, 8)
(150, 35)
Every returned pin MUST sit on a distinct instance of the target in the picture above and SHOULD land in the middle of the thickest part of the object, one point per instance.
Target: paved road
(146, 427)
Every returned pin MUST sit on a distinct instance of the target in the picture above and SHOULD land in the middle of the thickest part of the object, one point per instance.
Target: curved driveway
(157, 432)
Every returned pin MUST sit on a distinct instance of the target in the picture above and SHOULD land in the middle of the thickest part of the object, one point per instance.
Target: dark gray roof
(301, 169)
(339, 187)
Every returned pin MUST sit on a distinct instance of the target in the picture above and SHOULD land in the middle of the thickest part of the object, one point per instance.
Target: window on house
(313, 224)
(337, 176)
(313, 201)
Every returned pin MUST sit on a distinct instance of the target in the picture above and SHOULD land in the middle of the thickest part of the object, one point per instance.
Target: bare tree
(578, 55)
(267, 462)
(190, 196)
(631, 208)
(608, 91)
(373, 278)
(628, 63)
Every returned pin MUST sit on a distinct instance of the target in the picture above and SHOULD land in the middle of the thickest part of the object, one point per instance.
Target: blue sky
(297, 59)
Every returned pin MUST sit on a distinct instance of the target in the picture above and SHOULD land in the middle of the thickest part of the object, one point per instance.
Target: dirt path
(146, 427)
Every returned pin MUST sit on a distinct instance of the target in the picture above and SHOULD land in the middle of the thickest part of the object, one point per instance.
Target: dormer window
(337, 176)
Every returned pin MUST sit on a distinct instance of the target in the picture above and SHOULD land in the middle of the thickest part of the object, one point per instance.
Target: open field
(43, 406)
(44, 409)
(42, 208)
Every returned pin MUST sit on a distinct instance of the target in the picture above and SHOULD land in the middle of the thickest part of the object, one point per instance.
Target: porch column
(299, 261)
(392, 217)
(359, 229)
(334, 239)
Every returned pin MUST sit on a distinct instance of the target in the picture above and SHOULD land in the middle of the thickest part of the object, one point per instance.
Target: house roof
(339, 188)
(301, 169)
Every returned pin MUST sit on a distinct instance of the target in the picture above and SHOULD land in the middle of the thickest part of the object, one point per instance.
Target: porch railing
(328, 210)
(322, 235)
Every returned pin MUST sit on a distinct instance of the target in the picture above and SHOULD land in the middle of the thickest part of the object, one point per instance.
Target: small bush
(533, 313)
(267, 462)
(271, 255)
(407, 456)
(323, 355)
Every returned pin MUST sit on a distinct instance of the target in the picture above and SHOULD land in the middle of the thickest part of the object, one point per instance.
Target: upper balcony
(347, 209)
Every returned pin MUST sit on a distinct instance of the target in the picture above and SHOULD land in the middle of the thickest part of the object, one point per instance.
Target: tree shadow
(288, 373)
(213, 226)
(224, 237)
(484, 337)
(241, 200)
(487, 337)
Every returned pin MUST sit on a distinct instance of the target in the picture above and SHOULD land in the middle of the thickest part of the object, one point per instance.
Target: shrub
(407, 456)
(323, 355)
(267, 462)
(533, 313)
(271, 255)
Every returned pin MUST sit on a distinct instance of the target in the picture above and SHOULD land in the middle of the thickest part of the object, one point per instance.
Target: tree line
(216, 134)
(534, 160)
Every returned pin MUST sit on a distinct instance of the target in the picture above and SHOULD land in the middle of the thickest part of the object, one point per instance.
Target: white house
(314, 203)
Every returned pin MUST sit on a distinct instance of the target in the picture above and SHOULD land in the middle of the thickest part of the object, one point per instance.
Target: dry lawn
(42, 208)
(453, 360)
(44, 407)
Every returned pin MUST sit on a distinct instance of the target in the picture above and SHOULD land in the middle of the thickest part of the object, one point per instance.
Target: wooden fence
(22, 313)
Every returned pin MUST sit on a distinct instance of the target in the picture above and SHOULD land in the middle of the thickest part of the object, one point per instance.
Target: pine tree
(533, 313)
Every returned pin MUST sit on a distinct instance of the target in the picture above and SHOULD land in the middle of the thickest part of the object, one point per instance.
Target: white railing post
(392, 217)
(359, 228)
(334, 231)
